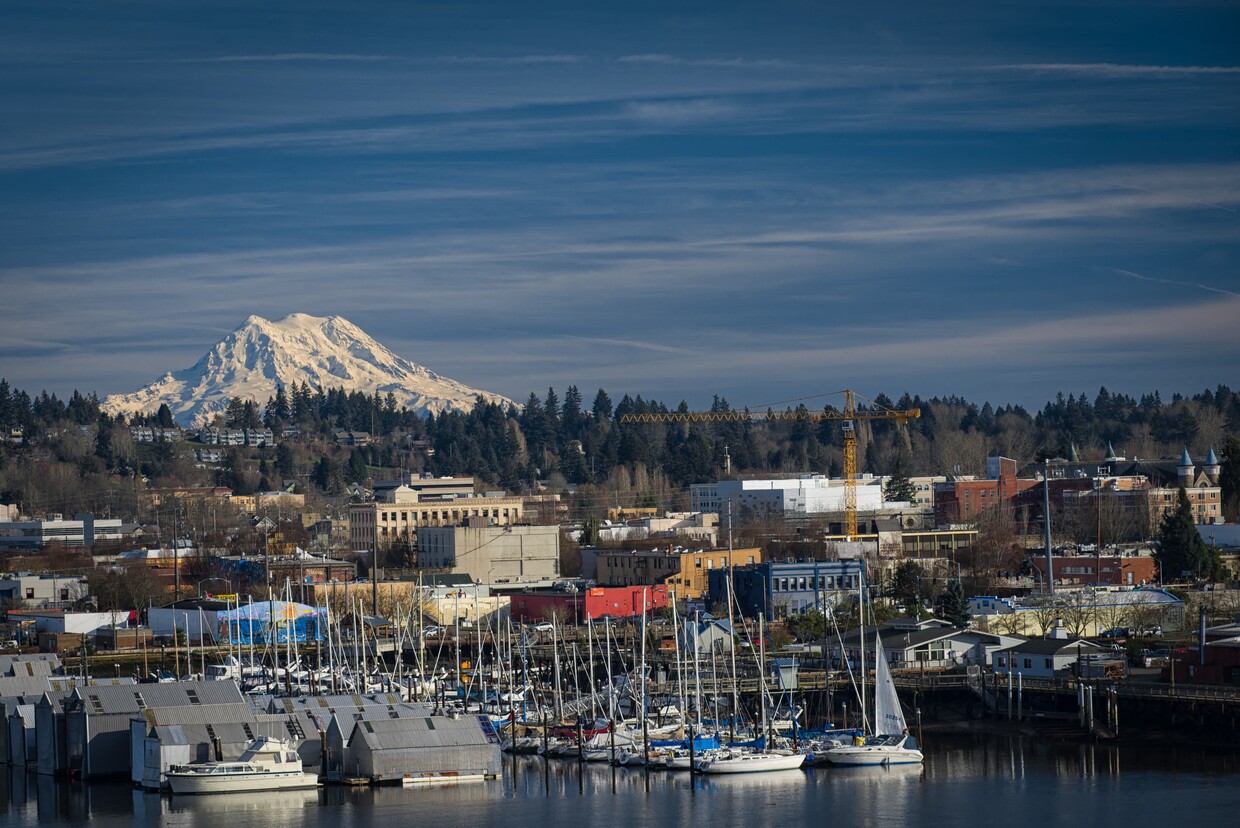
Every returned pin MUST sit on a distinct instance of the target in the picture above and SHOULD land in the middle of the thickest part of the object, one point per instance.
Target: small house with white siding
(1043, 657)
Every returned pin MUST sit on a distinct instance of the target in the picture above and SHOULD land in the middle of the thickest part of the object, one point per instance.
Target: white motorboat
(267, 764)
(731, 761)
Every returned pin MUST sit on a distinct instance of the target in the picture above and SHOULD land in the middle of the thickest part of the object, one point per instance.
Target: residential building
(1044, 657)
(492, 553)
(910, 644)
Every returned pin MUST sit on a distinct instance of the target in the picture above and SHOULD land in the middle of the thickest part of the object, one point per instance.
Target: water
(964, 781)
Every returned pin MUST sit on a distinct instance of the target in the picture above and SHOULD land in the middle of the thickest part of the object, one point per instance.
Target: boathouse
(426, 748)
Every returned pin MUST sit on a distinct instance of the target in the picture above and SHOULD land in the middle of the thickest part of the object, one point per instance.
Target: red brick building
(1110, 570)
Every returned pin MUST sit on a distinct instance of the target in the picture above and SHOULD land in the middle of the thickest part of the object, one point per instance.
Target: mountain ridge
(320, 351)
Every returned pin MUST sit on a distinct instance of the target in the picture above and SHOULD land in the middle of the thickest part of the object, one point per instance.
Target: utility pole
(1046, 521)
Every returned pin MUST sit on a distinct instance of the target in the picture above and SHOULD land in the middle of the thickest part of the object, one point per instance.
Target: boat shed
(97, 729)
(340, 725)
(21, 746)
(163, 736)
(164, 746)
(49, 721)
(388, 750)
(29, 664)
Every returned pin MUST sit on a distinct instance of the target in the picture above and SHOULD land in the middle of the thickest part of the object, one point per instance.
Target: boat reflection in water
(768, 781)
(286, 804)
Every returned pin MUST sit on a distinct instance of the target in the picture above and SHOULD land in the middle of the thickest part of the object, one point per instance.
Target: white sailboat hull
(752, 763)
(873, 755)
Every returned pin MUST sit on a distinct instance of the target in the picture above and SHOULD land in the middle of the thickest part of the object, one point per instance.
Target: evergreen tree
(602, 406)
(1229, 479)
(906, 581)
(899, 486)
(1181, 550)
(953, 606)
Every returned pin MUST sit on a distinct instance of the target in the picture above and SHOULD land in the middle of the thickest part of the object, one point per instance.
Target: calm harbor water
(965, 781)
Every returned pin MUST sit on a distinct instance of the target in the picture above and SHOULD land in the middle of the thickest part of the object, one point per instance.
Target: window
(1048, 664)
(29, 592)
(1028, 663)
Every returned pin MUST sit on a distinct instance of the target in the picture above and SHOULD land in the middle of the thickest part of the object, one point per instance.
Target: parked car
(1116, 632)
(1157, 658)
(432, 632)
(543, 626)
(1149, 630)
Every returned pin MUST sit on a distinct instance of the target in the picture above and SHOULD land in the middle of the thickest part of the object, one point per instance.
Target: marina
(1032, 782)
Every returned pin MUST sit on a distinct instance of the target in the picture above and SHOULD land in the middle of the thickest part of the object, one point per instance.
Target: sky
(763, 201)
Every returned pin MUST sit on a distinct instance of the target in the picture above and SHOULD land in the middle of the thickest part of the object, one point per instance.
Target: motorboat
(267, 764)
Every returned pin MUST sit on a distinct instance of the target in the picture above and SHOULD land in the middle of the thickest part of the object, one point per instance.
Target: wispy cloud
(1120, 70)
(1178, 282)
(284, 57)
(715, 63)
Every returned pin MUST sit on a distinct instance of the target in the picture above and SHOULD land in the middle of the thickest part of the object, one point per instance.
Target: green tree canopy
(1229, 478)
(1181, 551)
(953, 605)
(899, 485)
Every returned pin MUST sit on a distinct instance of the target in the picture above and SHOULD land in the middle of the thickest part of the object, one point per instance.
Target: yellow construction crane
(847, 417)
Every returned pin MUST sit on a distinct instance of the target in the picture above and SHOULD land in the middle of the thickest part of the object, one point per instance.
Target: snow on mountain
(323, 352)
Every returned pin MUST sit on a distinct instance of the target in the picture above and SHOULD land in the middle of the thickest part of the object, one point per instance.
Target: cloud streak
(1177, 282)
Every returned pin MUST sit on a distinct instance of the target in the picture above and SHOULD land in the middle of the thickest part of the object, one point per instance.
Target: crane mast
(848, 418)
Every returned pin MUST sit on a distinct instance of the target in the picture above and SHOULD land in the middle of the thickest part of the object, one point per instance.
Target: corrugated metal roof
(11, 686)
(420, 732)
(28, 663)
(204, 714)
(105, 700)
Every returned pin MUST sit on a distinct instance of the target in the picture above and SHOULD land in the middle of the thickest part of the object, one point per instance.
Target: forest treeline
(73, 444)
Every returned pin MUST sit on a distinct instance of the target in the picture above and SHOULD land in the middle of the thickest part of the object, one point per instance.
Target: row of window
(1028, 663)
(456, 514)
(803, 583)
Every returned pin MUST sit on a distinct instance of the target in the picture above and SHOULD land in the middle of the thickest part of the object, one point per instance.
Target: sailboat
(891, 743)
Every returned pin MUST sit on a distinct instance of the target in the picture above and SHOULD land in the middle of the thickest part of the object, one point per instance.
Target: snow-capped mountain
(323, 352)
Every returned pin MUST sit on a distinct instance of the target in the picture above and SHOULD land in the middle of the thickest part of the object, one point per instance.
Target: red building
(618, 602)
(1222, 658)
(961, 501)
(1132, 570)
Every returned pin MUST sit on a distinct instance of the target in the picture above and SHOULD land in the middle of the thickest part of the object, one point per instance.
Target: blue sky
(760, 200)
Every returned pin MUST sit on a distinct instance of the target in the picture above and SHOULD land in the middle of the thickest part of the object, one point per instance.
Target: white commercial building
(83, 530)
(805, 495)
